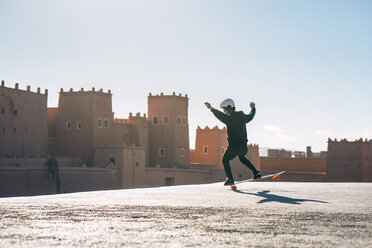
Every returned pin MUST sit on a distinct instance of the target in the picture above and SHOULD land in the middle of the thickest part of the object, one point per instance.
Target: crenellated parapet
(82, 91)
(132, 117)
(255, 146)
(168, 119)
(173, 95)
(28, 89)
(207, 128)
(24, 121)
(137, 115)
(349, 160)
(345, 141)
(121, 121)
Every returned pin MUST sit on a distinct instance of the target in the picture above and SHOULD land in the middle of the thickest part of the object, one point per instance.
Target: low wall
(299, 176)
(293, 164)
(30, 181)
(37, 161)
(156, 177)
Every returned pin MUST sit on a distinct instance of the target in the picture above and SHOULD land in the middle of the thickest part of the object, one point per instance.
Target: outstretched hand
(208, 105)
(252, 105)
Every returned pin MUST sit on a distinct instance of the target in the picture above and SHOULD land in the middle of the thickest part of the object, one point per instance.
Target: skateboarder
(237, 136)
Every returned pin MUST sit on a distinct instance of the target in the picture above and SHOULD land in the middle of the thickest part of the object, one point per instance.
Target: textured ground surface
(260, 214)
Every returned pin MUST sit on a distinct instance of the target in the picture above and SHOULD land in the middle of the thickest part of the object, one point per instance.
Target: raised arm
(219, 115)
(250, 116)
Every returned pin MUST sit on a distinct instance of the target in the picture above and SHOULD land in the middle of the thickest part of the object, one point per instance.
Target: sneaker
(229, 181)
(257, 175)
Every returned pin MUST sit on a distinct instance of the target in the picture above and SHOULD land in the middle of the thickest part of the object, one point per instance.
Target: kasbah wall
(96, 150)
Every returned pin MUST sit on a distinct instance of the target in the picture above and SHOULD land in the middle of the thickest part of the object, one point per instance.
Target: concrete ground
(259, 214)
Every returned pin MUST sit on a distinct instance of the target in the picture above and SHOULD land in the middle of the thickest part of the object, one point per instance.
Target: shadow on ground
(277, 198)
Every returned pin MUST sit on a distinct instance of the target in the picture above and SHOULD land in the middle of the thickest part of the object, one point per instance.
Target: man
(236, 136)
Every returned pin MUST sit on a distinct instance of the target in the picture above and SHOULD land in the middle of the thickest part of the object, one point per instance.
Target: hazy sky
(306, 64)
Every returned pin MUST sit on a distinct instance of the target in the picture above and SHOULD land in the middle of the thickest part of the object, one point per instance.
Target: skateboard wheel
(233, 187)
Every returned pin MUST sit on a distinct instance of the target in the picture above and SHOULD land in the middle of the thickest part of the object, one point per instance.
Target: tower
(349, 161)
(83, 122)
(140, 132)
(23, 122)
(210, 145)
(169, 130)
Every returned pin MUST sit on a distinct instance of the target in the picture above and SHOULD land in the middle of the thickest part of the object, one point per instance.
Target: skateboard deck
(275, 177)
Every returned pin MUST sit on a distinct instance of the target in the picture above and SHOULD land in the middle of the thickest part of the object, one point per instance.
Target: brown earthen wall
(156, 177)
(30, 181)
(52, 121)
(23, 122)
(293, 164)
(367, 163)
(206, 138)
(74, 108)
(122, 133)
(349, 161)
(88, 108)
(289, 176)
(134, 167)
(173, 136)
(140, 133)
(129, 160)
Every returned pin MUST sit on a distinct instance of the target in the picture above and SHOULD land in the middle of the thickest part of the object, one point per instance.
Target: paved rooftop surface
(259, 214)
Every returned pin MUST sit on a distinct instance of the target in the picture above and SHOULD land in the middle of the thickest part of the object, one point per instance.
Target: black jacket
(236, 126)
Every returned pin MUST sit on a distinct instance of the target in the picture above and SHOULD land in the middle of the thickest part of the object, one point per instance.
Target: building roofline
(207, 128)
(82, 91)
(28, 89)
(162, 95)
(351, 142)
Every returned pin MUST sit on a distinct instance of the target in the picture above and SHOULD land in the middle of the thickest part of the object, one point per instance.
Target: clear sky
(306, 64)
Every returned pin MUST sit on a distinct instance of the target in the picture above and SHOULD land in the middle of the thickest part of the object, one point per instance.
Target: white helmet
(227, 102)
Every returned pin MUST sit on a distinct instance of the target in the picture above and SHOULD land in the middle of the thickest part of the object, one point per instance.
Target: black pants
(230, 154)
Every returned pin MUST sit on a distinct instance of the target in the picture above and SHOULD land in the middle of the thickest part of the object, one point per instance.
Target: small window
(15, 130)
(165, 120)
(79, 125)
(161, 152)
(3, 129)
(68, 125)
(169, 181)
(112, 161)
(3, 111)
(182, 152)
(106, 123)
(184, 120)
(15, 112)
(205, 149)
(179, 119)
(99, 123)
(155, 120)
(137, 164)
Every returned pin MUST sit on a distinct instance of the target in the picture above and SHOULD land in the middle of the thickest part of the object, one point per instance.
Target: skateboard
(275, 177)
